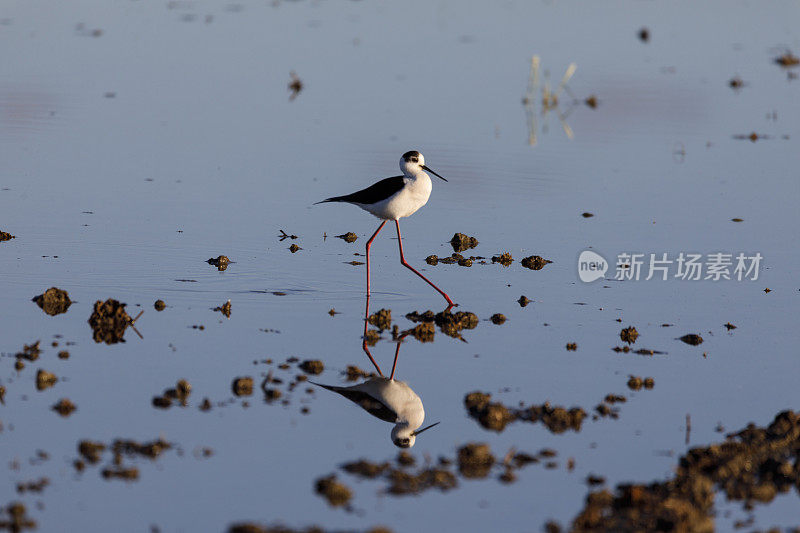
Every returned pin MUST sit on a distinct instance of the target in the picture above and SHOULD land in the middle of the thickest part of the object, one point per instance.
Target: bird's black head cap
(412, 156)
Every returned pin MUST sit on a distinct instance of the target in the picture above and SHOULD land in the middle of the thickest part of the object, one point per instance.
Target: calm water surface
(139, 139)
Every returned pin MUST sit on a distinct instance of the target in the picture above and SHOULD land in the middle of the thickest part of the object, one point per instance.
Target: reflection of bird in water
(394, 198)
(391, 401)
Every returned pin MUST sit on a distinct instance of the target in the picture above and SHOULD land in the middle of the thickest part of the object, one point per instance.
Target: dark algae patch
(753, 466)
(53, 301)
(4, 236)
(159, 305)
(535, 262)
(109, 321)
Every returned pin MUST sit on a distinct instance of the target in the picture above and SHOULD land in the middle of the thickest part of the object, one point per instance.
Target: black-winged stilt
(394, 198)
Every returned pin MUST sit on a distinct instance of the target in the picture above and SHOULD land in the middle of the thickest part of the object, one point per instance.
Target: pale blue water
(200, 152)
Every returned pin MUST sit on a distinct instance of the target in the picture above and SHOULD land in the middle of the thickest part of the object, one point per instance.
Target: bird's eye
(414, 160)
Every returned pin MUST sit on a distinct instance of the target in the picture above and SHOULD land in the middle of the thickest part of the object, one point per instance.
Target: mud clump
(354, 373)
(64, 407)
(90, 450)
(45, 380)
(179, 393)
(535, 262)
(636, 383)
(381, 319)
(225, 309)
(159, 305)
(432, 260)
(221, 262)
(30, 352)
(33, 486)
(294, 248)
(423, 332)
(729, 326)
(692, 339)
(242, 386)
(753, 465)
(53, 301)
(571, 346)
(556, 419)
(498, 318)
(451, 324)
(312, 366)
(461, 242)
(336, 493)
(16, 518)
(475, 460)
(504, 259)
(371, 337)
(109, 321)
(640, 351)
(629, 334)
(491, 415)
(4, 236)
(495, 415)
(523, 301)
(787, 60)
(348, 237)
(365, 469)
(123, 473)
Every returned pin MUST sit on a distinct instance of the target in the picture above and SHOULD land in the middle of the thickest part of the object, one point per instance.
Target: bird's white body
(397, 396)
(406, 201)
(390, 400)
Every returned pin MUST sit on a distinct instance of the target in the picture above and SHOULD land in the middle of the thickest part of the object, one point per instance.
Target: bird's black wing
(372, 194)
(374, 407)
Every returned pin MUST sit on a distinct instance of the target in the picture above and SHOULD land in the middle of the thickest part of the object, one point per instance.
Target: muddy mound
(753, 465)
(53, 301)
(109, 321)
(461, 242)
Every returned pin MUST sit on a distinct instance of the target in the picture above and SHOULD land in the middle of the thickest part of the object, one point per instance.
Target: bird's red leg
(369, 243)
(412, 269)
(366, 323)
(396, 353)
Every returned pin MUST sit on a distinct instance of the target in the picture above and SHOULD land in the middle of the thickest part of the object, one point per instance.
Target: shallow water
(131, 157)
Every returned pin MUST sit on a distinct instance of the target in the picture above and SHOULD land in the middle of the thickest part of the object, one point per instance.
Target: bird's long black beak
(437, 423)
(432, 172)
